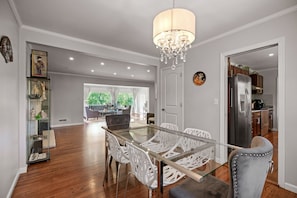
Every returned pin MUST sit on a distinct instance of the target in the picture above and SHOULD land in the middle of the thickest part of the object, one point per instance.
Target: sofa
(91, 113)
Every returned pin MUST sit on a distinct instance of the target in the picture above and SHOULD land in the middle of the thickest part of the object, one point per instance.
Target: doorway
(113, 99)
(172, 95)
(262, 65)
(280, 98)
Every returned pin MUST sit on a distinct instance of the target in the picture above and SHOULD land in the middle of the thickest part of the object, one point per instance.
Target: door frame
(161, 96)
(280, 100)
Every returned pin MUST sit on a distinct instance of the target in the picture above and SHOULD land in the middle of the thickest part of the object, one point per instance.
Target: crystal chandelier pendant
(173, 34)
(173, 66)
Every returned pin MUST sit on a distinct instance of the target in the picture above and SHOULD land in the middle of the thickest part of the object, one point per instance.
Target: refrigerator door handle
(231, 97)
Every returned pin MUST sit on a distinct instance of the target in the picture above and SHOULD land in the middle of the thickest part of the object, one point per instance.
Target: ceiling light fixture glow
(128, 67)
(102, 63)
(71, 58)
(92, 70)
(148, 70)
(271, 54)
(132, 75)
(115, 73)
(173, 34)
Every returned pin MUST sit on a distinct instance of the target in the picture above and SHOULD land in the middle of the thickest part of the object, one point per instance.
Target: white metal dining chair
(192, 161)
(162, 141)
(143, 168)
(118, 153)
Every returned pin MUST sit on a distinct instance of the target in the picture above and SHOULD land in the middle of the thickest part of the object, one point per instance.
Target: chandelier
(173, 33)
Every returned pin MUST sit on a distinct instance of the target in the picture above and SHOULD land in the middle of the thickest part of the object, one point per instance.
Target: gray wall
(67, 96)
(9, 120)
(200, 109)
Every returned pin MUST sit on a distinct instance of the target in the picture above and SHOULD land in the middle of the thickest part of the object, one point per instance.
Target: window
(125, 99)
(99, 98)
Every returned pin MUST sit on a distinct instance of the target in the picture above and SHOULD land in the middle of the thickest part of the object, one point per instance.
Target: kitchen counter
(261, 121)
(263, 109)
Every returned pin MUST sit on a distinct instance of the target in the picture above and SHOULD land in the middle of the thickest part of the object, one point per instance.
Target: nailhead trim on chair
(234, 167)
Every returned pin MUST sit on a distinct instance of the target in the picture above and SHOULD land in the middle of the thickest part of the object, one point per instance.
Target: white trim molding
(15, 180)
(280, 106)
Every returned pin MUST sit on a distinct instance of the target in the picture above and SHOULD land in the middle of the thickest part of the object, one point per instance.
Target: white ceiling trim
(254, 23)
(15, 12)
(101, 77)
(34, 35)
(25, 27)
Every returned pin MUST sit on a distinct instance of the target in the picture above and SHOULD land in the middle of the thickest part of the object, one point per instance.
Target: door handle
(163, 109)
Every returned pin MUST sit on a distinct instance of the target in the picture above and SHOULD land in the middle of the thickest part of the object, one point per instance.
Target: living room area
(101, 100)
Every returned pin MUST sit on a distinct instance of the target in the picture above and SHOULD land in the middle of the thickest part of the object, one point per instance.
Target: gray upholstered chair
(91, 113)
(127, 110)
(248, 170)
(119, 121)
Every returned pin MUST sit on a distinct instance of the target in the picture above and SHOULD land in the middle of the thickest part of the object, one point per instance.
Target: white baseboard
(291, 187)
(65, 125)
(16, 178)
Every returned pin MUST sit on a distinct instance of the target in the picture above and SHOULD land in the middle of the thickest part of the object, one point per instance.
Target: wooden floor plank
(76, 169)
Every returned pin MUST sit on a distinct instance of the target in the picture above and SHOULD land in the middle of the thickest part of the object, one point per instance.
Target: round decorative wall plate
(199, 78)
(6, 49)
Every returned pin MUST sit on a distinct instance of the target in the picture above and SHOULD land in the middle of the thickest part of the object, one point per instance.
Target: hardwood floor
(76, 169)
(273, 138)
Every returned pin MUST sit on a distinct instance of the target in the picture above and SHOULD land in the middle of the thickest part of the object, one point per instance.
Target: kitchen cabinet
(256, 123)
(257, 83)
(264, 122)
(233, 70)
(270, 119)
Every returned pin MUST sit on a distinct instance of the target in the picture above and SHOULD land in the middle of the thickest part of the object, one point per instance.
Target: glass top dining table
(138, 135)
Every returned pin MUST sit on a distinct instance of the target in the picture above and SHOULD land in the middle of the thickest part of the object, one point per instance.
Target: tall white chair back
(192, 161)
(118, 153)
(162, 141)
(142, 167)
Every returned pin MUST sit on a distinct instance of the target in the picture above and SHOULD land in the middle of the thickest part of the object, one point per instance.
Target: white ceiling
(258, 59)
(127, 24)
(58, 61)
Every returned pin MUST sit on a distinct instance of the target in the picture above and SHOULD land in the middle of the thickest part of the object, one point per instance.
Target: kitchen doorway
(279, 43)
(262, 66)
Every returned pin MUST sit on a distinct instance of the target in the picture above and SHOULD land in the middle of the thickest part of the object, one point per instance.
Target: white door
(172, 96)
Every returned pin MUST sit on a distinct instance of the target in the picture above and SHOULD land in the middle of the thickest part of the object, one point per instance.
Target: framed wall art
(6, 49)
(39, 64)
(199, 78)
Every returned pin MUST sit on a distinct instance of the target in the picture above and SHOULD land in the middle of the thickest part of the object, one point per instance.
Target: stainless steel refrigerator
(239, 117)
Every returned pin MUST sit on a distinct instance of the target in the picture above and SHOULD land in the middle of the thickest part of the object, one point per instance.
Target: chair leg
(106, 170)
(150, 193)
(127, 181)
(110, 161)
(118, 178)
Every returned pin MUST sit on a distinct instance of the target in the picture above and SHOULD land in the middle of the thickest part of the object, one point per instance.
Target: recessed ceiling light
(128, 67)
(132, 75)
(71, 58)
(92, 70)
(148, 70)
(102, 63)
(114, 73)
(271, 54)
